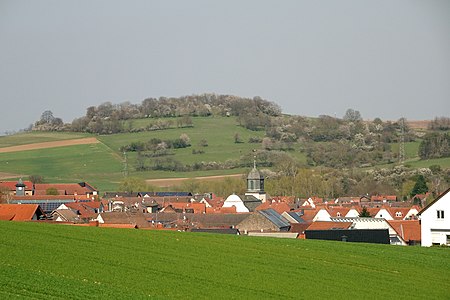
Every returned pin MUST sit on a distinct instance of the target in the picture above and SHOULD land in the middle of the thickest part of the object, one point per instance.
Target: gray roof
(254, 174)
(203, 220)
(66, 214)
(295, 216)
(274, 217)
(251, 202)
(137, 219)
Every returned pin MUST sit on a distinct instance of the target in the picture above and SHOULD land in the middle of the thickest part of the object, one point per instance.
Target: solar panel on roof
(295, 216)
(274, 217)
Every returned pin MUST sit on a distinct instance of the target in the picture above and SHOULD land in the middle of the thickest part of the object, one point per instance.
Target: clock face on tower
(20, 188)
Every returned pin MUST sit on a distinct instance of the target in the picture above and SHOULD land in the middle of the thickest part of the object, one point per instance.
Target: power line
(401, 148)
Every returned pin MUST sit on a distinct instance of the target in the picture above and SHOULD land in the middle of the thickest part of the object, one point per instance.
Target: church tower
(255, 184)
(20, 188)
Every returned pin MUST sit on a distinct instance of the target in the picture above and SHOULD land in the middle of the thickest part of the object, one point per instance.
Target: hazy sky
(386, 59)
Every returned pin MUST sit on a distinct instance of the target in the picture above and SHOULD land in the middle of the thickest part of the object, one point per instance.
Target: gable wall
(435, 230)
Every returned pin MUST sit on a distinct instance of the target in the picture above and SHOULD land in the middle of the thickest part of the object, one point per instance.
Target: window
(440, 214)
(398, 214)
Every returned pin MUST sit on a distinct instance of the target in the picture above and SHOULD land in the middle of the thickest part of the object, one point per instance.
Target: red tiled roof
(324, 225)
(338, 211)
(82, 209)
(221, 210)
(409, 230)
(402, 212)
(44, 197)
(19, 212)
(434, 201)
(286, 199)
(382, 197)
(11, 185)
(299, 227)
(63, 188)
(197, 207)
(279, 207)
(309, 214)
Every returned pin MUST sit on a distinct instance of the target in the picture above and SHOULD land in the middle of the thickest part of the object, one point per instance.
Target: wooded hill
(219, 134)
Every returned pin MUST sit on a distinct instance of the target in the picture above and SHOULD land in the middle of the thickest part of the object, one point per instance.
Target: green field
(56, 261)
(38, 137)
(103, 164)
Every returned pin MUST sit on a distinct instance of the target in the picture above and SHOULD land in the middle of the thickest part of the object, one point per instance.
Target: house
(403, 213)
(191, 220)
(293, 217)
(382, 212)
(20, 212)
(122, 219)
(435, 221)
(378, 236)
(82, 188)
(197, 208)
(84, 211)
(278, 206)
(383, 198)
(243, 204)
(408, 230)
(340, 211)
(323, 225)
(264, 220)
(374, 224)
(322, 215)
(48, 203)
(19, 188)
(65, 215)
(312, 202)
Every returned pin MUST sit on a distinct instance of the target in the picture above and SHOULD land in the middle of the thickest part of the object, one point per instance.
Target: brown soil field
(4, 175)
(418, 124)
(167, 182)
(46, 145)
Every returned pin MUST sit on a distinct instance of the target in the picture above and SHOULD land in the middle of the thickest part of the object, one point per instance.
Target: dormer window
(398, 214)
(338, 214)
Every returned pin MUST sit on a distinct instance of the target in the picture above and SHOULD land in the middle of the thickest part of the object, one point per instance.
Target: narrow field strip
(45, 145)
(164, 182)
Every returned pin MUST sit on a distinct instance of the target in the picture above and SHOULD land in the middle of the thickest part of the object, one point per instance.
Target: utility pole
(125, 164)
(401, 148)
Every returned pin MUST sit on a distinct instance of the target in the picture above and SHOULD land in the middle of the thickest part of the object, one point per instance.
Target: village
(375, 219)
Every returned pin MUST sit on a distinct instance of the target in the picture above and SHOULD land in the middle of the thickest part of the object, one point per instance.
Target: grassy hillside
(102, 164)
(57, 261)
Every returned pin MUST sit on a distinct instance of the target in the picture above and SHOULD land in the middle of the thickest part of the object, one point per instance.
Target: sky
(387, 59)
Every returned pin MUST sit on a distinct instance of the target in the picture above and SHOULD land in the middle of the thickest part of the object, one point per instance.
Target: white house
(383, 213)
(236, 201)
(435, 221)
(322, 215)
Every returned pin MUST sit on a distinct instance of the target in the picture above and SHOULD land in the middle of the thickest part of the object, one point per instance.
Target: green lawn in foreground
(57, 261)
